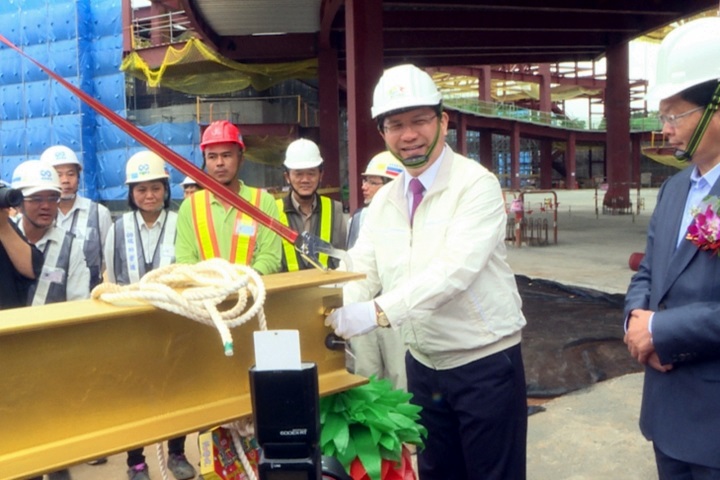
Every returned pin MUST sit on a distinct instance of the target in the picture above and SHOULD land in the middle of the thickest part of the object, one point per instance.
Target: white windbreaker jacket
(444, 281)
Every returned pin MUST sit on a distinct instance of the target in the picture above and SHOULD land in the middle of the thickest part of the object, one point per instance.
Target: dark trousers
(673, 469)
(476, 417)
(175, 446)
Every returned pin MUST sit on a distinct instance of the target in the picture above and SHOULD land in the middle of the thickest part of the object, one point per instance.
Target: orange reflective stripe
(245, 233)
(204, 226)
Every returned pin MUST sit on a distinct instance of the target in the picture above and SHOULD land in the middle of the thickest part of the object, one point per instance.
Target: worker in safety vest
(304, 210)
(65, 275)
(189, 187)
(142, 240)
(208, 227)
(87, 220)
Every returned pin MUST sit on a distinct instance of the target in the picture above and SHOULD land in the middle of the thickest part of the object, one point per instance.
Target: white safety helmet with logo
(399, 90)
(301, 154)
(60, 155)
(402, 88)
(35, 176)
(688, 56)
(384, 164)
(145, 166)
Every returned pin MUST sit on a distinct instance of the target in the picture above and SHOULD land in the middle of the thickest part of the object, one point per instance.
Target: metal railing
(171, 27)
(513, 112)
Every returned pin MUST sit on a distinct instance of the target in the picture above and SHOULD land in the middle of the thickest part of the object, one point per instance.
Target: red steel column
(546, 164)
(461, 133)
(617, 113)
(545, 81)
(636, 156)
(485, 147)
(485, 84)
(515, 156)
(570, 163)
(329, 104)
(363, 37)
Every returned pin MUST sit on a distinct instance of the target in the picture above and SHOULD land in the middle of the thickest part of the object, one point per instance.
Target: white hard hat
(404, 87)
(35, 176)
(302, 153)
(60, 155)
(188, 181)
(688, 56)
(384, 164)
(145, 166)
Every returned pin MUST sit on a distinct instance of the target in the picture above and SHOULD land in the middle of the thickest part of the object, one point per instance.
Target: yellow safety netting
(179, 71)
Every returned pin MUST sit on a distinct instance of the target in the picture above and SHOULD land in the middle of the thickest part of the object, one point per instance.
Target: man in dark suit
(673, 303)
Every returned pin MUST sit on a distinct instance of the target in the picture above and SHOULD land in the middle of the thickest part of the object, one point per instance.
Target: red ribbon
(185, 167)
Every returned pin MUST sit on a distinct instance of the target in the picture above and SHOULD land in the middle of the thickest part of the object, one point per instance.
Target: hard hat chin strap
(712, 107)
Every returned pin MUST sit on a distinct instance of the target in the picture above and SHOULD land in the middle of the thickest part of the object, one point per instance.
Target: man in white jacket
(433, 244)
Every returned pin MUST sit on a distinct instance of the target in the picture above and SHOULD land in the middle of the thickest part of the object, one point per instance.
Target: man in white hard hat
(304, 210)
(433, 247)
(189, 187)
(381, 352)
(208, 227)
(64, 275)
(672, 306)
(87, 220)
(20, 262)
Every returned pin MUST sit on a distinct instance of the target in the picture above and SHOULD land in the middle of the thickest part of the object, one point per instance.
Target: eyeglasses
(43, 199)
(416, 124)
(374, 183)
(672, 120)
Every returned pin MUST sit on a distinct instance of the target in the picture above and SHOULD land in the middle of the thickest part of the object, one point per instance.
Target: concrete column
(617, 113)
(363, 38)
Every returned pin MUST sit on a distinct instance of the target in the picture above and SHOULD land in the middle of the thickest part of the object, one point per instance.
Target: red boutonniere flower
(704, 230)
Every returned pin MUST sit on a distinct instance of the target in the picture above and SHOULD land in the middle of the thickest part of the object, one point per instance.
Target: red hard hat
(221, 131)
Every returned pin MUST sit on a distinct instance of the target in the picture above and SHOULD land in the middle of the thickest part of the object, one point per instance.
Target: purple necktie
(417, 189)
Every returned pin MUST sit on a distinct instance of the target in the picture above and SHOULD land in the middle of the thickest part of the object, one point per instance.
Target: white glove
(354, 319)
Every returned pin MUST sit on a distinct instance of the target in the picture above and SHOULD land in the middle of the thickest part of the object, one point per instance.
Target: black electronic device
(287, 422)
(10, 197)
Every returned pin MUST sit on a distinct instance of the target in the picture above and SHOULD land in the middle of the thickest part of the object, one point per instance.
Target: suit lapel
(686, 251)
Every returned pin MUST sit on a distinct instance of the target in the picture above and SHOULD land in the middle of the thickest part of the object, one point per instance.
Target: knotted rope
(195, 291)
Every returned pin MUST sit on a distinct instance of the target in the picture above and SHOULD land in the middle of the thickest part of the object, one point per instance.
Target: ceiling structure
(433, 33)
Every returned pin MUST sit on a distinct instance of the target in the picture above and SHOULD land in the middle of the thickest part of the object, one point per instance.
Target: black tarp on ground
(573, 337)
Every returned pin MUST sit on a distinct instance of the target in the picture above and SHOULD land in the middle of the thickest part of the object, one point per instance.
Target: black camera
(10, 197)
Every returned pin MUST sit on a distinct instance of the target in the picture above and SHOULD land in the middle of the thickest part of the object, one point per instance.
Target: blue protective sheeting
(81, 40)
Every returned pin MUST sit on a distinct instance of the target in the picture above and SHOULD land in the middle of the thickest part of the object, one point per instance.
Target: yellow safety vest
(291, 256)
(244, 234)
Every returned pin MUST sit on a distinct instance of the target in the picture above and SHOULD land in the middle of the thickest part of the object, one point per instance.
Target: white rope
(204, 285)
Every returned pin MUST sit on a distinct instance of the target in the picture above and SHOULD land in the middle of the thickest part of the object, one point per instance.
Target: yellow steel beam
(86, 379)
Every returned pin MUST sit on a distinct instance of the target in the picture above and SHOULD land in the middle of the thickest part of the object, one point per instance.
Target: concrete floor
(589, 434)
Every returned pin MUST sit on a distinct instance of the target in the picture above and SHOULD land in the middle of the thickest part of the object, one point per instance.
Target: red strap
(185, 167)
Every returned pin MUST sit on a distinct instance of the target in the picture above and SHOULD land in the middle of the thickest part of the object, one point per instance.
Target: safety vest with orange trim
(291, 256)
(244, 237)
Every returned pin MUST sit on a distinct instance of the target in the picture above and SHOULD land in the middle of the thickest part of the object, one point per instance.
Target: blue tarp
(81, 40)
